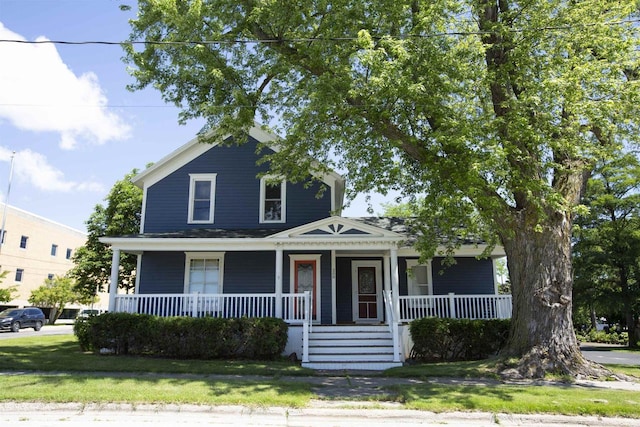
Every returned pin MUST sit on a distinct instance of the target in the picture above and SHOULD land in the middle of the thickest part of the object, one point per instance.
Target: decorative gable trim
(336, 227)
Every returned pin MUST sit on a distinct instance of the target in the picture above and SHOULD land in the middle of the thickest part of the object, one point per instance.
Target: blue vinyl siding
(237, 197)
(162, 273)
(249, 272)
(344, 295)
(468, 276)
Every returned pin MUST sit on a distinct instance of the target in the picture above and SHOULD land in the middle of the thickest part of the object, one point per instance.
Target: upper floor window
(19, 274)
(3, 234)
(202, 190)
(23, 242)
(68, 256)
(272, 201)
(54, 249)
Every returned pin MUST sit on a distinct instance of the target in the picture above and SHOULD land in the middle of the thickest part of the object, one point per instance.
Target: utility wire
(307, 39)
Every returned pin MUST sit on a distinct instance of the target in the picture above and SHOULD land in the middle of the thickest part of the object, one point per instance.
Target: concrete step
(362, 357)
(351, 366)
(353, 351)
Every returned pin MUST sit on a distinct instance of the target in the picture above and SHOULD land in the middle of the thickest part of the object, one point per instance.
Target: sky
(66, 112)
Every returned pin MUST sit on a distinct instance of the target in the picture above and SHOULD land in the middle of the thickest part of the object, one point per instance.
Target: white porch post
(334, 314)
(279, 257)
(387, 272)
(113, 286)
(395, 282)
(395, 294)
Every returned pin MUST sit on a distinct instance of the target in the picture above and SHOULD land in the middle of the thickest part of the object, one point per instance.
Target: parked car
(88, 312)
(14, 319)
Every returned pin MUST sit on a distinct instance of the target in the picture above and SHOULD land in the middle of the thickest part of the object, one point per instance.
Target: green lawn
(62, 373)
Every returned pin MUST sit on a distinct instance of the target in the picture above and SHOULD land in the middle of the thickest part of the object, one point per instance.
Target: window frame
(264, 181)
(411, 282)
(19, 272)
(24, 239)
(189, 256)
(197, 177)
(69, 253)
(54, 249)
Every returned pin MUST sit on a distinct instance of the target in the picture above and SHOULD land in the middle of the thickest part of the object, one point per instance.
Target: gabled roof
(194, 148)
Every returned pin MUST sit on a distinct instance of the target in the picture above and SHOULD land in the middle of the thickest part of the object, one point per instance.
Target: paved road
(46, 330)
(604, 353)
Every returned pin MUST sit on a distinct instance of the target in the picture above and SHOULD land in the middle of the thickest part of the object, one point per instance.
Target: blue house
(218, 239)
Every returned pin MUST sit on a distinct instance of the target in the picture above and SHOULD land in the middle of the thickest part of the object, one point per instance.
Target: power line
(308, 39)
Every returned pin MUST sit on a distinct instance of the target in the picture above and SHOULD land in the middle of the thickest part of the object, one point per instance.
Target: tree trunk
(542, 335)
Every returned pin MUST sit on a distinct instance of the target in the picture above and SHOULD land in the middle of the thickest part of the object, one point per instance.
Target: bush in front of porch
(183, 337)
(441, 339)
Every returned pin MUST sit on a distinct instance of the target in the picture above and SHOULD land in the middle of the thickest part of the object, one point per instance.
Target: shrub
(436, 339)
(183, 337)
(612, 337)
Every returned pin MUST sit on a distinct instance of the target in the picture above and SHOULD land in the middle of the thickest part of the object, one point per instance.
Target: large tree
(607, 248)
(120, 216)
(493, 109)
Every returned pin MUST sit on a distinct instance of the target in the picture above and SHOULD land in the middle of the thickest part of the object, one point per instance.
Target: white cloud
(34, 168)
(38, 92)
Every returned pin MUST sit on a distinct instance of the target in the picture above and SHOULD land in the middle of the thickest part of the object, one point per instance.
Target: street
(46, 330)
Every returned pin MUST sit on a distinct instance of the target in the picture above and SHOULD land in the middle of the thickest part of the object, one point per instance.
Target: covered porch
(331, 281)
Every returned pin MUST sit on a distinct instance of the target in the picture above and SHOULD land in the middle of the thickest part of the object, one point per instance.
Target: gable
(194, 149)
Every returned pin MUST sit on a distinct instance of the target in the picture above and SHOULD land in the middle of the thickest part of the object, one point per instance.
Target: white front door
(366, 279)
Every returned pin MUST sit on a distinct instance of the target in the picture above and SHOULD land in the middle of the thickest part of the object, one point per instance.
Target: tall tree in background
(607, 249)
(121, 216)
(493, 109)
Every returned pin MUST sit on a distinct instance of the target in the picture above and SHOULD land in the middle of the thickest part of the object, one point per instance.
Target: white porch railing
(454, 306)
(216, 305)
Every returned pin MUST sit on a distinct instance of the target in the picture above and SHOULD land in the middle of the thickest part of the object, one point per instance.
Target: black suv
(15, 319)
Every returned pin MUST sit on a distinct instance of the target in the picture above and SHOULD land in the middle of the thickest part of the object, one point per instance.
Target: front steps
(351, 347)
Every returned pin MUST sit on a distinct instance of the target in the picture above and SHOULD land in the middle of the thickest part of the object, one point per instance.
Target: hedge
(440, 340)
(183, 337)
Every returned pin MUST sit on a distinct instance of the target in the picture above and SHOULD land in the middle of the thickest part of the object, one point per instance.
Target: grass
(62, 353)
(63, 373)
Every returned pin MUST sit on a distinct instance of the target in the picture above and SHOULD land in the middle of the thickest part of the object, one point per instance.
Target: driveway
(609, 353)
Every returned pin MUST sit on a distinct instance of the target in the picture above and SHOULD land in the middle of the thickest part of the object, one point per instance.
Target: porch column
(395, 282)
(387, 272)
(113, 286)
(395, 301)
(279, 256)
(334, 313)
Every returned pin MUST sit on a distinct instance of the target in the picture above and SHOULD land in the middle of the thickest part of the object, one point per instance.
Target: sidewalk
(329, 414)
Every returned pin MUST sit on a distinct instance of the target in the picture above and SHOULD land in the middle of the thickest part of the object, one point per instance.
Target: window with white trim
(204, 272)
(202, 191)
(419, 278)
(272, 200)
